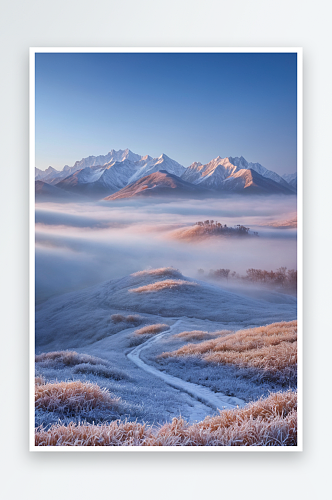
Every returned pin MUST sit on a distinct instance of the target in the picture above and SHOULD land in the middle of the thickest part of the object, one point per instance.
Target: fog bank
(78, 245)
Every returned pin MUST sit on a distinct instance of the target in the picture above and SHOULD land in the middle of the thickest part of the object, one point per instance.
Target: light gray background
(25, 23)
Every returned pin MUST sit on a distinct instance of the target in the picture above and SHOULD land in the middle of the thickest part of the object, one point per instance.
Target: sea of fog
(81, 244)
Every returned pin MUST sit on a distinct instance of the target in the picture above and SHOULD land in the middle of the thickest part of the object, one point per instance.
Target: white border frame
(33, 51)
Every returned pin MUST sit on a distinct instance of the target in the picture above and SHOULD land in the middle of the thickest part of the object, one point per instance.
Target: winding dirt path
(216, 401)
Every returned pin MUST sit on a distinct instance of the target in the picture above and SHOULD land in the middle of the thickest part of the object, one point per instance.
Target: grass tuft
(267, 422)
(152, 329)
(163, 285)
(101, 371)
(200, 335)
(134, 319)
(73, 397)
(67, 358)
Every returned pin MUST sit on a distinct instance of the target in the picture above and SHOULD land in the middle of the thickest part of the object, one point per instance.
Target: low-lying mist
(80, 244)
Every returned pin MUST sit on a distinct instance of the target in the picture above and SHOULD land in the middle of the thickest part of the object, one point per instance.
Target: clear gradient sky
(193, 107)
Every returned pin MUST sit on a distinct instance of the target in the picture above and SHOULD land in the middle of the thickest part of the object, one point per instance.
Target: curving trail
(217, 401)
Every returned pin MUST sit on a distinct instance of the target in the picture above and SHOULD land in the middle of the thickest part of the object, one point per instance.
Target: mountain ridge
(104, 175)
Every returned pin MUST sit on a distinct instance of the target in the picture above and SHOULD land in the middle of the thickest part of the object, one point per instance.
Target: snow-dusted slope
(80, 318)
(210, 175)
(141, 166)
(53, 176)
(100, 181)
(156, 164)
(291, 179)
(50, 175)
(112, 156)
(156, 184)
(117, 175)
(39, 174)
(241, 163)
(247, 180)
(213, 174)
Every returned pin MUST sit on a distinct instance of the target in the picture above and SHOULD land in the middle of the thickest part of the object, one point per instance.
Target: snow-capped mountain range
(102, 176)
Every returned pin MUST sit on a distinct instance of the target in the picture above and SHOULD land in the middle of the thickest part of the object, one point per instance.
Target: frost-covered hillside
(110, 337)
(80, 318)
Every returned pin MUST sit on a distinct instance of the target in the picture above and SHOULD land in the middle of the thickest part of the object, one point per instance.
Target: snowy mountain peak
(291, 179)
(239, 162)
(151, 165)
(106, 174)
(51, 169)
(164, 157)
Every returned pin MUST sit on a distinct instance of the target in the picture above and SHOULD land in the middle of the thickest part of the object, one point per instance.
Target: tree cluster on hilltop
(286, 278)
(214, 227)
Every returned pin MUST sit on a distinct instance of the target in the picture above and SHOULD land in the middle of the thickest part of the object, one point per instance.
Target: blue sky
(193, 107)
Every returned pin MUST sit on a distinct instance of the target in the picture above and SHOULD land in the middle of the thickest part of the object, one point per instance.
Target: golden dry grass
(200, 335)
(152, 329)
(270, 348)
(267, 422)
(72, 397)
(162, 285)
(189, 234)
(160, 272)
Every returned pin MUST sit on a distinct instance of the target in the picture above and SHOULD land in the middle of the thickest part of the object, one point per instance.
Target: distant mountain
(100, 181)
(102, 176)
(112, 156)
(214, 173)
(97, 182)
(291, 179)
(241, 163)
(211, 175)
(49, 175)
(53, 176)
(157, 164)
(47, 192)
(249, 181)
(157, 184)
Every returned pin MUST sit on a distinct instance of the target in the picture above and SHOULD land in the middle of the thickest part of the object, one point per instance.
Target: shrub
(267, 422)
(134, 319)
(67, 358)
(118, 318)
(101, 371)
(73, 397)
(200, 335)
(39, 380)
(152, 329)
